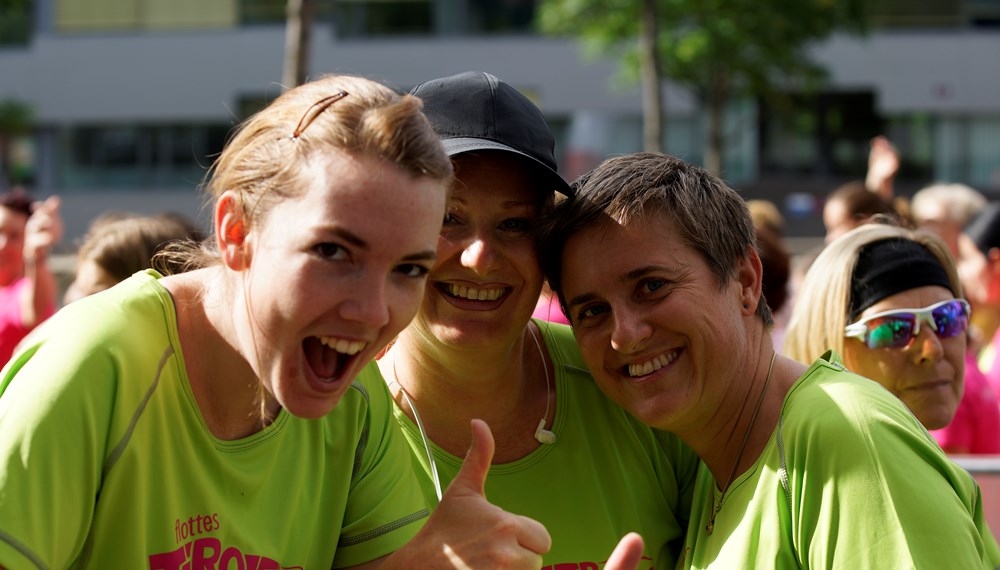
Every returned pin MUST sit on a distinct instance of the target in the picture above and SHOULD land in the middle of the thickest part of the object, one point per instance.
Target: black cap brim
(459, 145)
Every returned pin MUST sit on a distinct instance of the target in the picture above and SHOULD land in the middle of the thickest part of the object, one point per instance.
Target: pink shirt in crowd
(11, 329)
(548, 309)
(976, 426)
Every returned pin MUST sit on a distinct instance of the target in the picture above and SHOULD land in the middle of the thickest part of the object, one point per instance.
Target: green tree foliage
(720, 49)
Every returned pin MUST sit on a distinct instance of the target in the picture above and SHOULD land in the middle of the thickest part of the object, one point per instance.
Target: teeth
(651, 365)
(343, 345)
(491, 294)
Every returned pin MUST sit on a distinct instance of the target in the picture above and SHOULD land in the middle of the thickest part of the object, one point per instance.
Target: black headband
(892, 266)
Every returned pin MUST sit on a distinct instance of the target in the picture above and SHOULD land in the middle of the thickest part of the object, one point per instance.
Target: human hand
(43, 230)
(883, 163)
(467, 531)
(627, 554)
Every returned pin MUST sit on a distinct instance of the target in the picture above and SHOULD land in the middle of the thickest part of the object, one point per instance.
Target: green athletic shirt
(606, 474)
(106, 461)
(849, 479)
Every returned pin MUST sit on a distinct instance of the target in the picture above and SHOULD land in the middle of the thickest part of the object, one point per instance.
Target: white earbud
(543, 435)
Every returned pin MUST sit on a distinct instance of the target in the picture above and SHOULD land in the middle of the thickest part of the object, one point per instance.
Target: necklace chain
(717, 506)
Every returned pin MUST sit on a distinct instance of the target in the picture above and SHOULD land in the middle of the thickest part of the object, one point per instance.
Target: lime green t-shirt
(106, 461)
(607, 473)
(849, 479)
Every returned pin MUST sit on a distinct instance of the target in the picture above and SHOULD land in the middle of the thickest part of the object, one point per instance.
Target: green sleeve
(386, 507)
(992, 548)
(869, 488)
(54, 418)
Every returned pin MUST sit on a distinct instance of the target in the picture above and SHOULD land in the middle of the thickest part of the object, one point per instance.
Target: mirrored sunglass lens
(950, 319)
(890, 331)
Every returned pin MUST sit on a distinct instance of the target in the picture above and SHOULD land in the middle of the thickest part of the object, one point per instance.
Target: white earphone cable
(541, 434)
(423, 434)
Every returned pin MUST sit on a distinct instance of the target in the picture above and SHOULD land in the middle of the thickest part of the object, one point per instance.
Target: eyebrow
(357, 241)
(460, 197)
(429, 255)
(633, 275)
(350, 237)
(580, 299)
(527, 202)
(530, 203)
(642, 271)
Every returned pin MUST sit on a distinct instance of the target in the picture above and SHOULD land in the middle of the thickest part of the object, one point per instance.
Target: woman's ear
(231, 232)
(749, 274)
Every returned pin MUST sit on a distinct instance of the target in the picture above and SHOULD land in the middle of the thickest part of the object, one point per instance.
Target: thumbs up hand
(627, 554)
(467, 531)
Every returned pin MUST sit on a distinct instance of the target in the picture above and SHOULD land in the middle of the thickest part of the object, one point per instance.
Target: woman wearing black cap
(565, 454)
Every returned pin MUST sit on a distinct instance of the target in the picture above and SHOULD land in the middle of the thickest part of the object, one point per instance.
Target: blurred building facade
(131, 99)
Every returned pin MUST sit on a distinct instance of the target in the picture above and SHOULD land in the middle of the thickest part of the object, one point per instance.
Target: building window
(825, 134)
(374, 18)
(137, 156)
(501, 16)
(913, 136)
(365, 18)
(273, 11)
(16, 22)
(983, 13)
(917, 14)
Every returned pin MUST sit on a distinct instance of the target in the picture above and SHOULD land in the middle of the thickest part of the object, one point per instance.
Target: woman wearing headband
(230, 416)
(905, 326)
(889, 301)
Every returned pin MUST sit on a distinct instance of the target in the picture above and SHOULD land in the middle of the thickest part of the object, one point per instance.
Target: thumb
(627, 554)
(472, 476)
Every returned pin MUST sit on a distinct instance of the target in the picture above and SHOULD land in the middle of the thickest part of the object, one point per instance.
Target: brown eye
(516, 225)
(331, 251)
(591, 311)
(652, 285)
(413, 270)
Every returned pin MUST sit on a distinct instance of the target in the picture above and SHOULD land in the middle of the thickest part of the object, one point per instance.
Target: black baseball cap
(475, 110)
